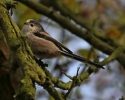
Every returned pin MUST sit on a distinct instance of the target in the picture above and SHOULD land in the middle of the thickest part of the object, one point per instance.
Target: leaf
(73, 5)
(4, 51)
(85, 53)
(51, 98)
(113, 32)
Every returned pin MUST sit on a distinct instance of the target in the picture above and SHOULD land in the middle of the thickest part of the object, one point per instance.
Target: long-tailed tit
(44, 46)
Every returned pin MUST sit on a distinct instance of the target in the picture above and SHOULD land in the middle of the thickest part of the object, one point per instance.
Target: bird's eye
(31, 25)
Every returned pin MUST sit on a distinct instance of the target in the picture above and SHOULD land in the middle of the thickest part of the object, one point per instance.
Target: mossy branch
(66, 86)
(22, 54)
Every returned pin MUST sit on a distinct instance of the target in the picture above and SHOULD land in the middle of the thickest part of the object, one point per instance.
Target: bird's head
(31, 26)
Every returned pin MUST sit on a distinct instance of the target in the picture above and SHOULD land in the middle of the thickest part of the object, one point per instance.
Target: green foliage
(85, 53)
(23, 13)
(73, 5)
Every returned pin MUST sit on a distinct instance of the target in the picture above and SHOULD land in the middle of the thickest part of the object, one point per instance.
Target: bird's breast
(42, 48)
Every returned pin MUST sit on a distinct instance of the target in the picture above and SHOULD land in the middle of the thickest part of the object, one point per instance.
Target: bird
(45, 46)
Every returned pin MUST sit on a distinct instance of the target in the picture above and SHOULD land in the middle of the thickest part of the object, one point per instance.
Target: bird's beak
(25, 23)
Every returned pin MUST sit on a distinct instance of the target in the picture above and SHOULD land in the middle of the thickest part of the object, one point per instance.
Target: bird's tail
(81, 59)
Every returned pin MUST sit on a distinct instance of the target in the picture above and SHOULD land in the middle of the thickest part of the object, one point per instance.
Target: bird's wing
(64, 50)
(46, 36)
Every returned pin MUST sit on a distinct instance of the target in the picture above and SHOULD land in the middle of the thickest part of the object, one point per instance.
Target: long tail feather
(81, 59)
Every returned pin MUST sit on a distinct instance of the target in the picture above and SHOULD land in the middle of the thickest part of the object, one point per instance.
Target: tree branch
(58, 4)
(58, 83)
(21, 54)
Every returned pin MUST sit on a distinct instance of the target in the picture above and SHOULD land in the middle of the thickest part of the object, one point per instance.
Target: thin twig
(67, 75)
(73, 84)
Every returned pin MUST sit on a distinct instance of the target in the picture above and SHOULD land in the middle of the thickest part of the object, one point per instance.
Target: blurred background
(109, 16)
